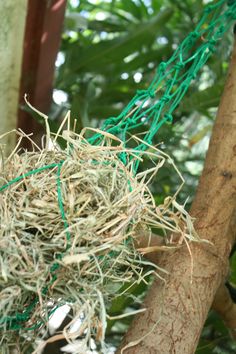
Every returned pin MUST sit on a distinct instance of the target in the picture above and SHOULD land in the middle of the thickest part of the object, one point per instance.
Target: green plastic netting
(173, 78)
(148, 108)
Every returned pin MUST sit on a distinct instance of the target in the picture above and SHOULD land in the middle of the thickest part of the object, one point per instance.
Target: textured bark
(12, 25)
(177, 309)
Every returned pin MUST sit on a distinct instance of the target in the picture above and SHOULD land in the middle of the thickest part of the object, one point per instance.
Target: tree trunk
(12, 25)
(177, 309)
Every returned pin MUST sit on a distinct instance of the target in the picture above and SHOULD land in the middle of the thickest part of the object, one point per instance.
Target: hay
(68, 220)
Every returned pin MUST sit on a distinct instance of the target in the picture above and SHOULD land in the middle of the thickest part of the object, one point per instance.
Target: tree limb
(177, 309)
(226, 308)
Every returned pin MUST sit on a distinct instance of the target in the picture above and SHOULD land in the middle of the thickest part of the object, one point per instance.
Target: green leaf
(233, 268)
(156, 5)
(120, 303)
(200, 135)
(205, 347)
(106, 52)
(131, 7)
(201, 101)
(107, 26)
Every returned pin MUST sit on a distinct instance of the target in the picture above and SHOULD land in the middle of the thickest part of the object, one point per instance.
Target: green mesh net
(152, 107)
(155, 105)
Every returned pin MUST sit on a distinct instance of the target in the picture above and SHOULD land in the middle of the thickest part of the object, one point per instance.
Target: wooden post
(41, 44)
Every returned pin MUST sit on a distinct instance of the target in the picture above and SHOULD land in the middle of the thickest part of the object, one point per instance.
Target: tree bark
(12, 25)
(177, 309)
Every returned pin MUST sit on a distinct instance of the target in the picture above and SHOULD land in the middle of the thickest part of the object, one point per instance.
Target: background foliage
(109, 50)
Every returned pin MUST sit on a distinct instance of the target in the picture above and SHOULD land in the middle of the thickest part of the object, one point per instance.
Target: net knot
(212, 42)
(193, 76)
(141, 92)
(221, 29)
(151, 93)
(194, 34)
(110, 121)
(54, 278)
(179, 66)
(162, 66)
(168, 118)
(59, 256)
(21, 317)
(166, 98)
(54, 267)
(130, 121)
(231, 13)
(208, 9)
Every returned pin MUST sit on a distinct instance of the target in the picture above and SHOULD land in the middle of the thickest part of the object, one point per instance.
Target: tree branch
(178, 307)
(226, 308)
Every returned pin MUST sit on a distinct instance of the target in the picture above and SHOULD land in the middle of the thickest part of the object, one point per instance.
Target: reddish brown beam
(44, 24)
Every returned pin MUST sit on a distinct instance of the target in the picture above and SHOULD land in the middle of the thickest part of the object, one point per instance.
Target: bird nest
(68, 221)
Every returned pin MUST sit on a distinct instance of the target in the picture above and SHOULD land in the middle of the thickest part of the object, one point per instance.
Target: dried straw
(67, 232)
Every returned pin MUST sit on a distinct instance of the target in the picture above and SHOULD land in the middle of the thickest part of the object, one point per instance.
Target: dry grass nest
(68, 220)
